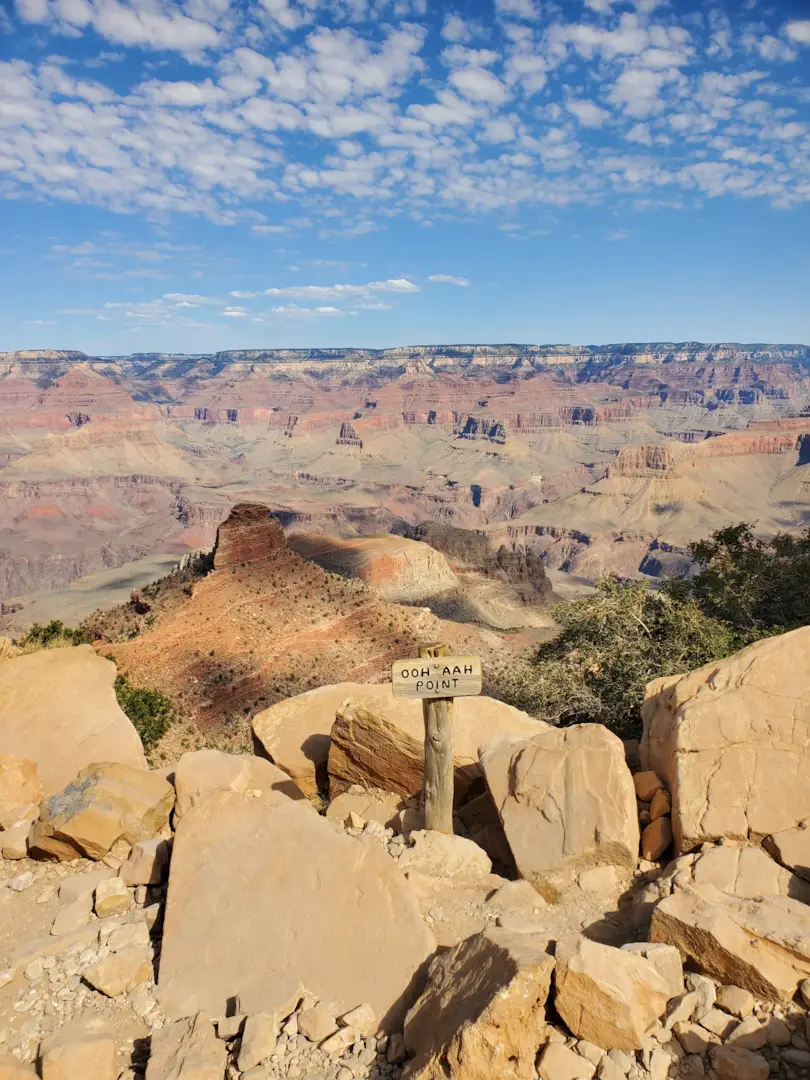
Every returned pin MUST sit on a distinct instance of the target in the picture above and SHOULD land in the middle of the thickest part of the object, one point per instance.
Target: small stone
(395, 1051)
(718, 1021)
(609, 1070)
(112, 898)
(661, 804)
(121, 971)
(14, 841)
(656, 838)
(777, 1032)
(128, 934)
(736, 1001)
(599, 881)
(705, 990)
(681, 1009)
(259, 1037)
(317, 1024)
(750, 1034)
(362, 1019)
(340, 1041)
(622, 1059)
(355, 821)
(647, 784)
(22, 881)
(694, 1038)
(147, 864)
(71, 917)
(734, 1063)
(559, 1063)
(804, 990)
(71, 1055)
(590, 1051)
(228, 1027)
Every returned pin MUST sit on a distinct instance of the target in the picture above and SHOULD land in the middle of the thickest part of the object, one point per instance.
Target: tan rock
(656, 838)
(736, 1001)
(362, 1019)
(75, 1054)
(694, 1038)
(727, 741)
(58, 708)
(559, 1063)
(481, 1011)
(112, 898)
(381, 806)
(328, 902)
(103, 804)
(647, 785)
(20, 790)
(608, 996)
(567, 803)
(148, 863)
(11, 1069)
(187, 1050)
(751, 1034)
(14, 841)
(379, 742)
(83, 886)
(199, 773)
(718, 1021)
(121, 971)
(259, 1036)
(760, 945)
(317, 1023)
(437, 855)
(8, 649)
(747, 872)
(72, 916)
(665, 959)
(733, 1063)
(661, 804)
(792, 848)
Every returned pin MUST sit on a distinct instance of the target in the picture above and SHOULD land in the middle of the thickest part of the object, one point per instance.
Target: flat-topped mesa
(247, 534)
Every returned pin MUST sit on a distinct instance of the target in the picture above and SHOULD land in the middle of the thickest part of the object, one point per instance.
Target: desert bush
(55, 635)
(613, 643)
(149, 710)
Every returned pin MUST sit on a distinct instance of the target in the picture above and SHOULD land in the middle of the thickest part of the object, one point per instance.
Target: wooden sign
(436, 677)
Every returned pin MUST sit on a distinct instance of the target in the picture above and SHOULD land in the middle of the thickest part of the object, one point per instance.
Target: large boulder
(731, 741)
(189, 1048)
(792, 848)
(567, 803)
(379, 742)
(761, 944)
(265, 896)
(20, 790)
(104, 803)
(58, 708)
(200, 772)
(483, 1009)
(611, 997)
(746, 872)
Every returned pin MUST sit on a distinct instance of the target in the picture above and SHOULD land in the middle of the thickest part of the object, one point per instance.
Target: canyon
(574, 460)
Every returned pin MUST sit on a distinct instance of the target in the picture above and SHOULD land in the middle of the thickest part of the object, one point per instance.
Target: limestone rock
(734, 1063)
(82, 886)
(259, 1037)
(148, 863)
(482, 1011)
(747, 872)
(608, 996)
(560, 1063)
(112, 898)
(661, 804)
(438, 855)
(14, 841)
(381, 806)
(316, 1023)
(121, 971)
(11, 1069)
(760, 945)
(735, 1000)
(187, 1050)
(727, 741)
(379, 742)
(567, 803)
(656, 838)
(362, 1019)
(104, 803)
(647, 785)
(58, 708)
(792, 848)
(75, 1054)
(328, 903)
(20, 790)
(199, 773)
(665, 959)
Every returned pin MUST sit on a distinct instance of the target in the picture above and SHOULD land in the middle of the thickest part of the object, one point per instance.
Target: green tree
(150, 711)
(52, 636)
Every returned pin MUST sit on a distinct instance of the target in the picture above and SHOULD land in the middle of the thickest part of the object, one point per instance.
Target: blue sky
(193, 175)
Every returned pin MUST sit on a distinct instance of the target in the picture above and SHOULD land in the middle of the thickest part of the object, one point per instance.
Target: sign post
(437, 678)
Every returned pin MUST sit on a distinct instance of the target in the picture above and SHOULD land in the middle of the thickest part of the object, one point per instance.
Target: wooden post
(438, 790)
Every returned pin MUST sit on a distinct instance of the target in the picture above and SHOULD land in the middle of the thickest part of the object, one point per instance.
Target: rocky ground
(602, 910)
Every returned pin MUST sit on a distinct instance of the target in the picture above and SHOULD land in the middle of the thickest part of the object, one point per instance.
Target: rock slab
(58, 708)
(482, 1011)
(567, 803)
(732, 740)
(265, 896)
(200, 772)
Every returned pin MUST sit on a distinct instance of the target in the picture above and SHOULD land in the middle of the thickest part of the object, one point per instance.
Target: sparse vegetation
(55, 635)
(150, 711)
(613, 643)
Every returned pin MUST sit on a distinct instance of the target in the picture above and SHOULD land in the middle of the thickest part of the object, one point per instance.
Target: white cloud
(588, 114)
(617, 234)
(455, 29)
(799, 30)
(521, 9)
(402, 286)
(477, 84)
(448, 279)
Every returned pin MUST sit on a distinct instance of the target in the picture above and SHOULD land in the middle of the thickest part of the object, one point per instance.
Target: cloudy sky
(192, 175)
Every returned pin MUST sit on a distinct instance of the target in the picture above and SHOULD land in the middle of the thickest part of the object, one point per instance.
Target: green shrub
(149, 710)
(53, 636)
